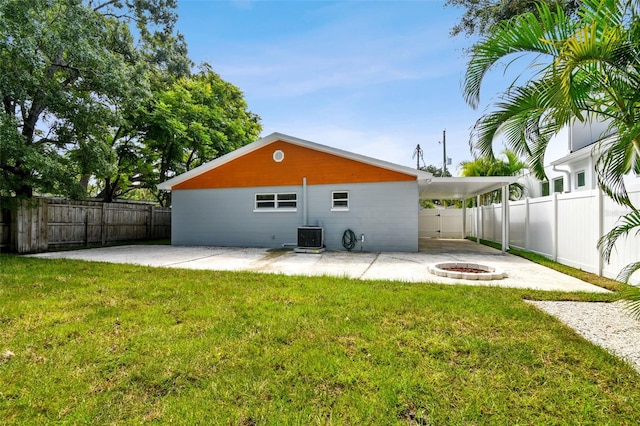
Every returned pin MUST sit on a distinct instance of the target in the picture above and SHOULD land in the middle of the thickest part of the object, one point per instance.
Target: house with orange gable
(261, 194)
(284, 191)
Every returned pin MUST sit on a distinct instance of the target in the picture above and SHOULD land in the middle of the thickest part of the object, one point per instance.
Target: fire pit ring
(466, 271)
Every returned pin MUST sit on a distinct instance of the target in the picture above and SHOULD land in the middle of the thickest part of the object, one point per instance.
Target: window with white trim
(558, 185)
(545, 188)
(283, 201)
(339, 200)
(580, 179)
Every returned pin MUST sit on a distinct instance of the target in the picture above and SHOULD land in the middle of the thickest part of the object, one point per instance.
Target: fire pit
(466, 271)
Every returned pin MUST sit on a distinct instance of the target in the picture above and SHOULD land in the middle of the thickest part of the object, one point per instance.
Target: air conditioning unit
(310, 239)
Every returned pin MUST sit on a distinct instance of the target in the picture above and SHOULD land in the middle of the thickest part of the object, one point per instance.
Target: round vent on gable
(278, 156)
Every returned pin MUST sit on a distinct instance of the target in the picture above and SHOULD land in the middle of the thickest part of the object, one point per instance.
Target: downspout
(567, 173)
(305, 214)
(478, 219)
(570, 138)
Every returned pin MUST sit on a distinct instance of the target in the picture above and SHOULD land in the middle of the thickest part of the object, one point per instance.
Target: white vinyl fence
(565, 228)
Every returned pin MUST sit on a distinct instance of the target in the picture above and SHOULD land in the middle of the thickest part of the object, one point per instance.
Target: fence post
(527, 229)
(505, 219)
(482, 221)
(152, 222)
(103, 224)
(86, 227)
(554, 227)
(493, 222)
(464, 218)
(40, 225)
(600, 226)
(17, 219)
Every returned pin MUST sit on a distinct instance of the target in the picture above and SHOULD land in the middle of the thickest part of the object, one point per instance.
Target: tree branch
(105, 4)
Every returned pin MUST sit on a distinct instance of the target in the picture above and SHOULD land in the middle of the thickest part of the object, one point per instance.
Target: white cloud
(373, 78)
(346, 53)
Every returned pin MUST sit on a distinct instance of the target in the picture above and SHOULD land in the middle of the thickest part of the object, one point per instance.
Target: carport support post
(477, 219)
(600, 204)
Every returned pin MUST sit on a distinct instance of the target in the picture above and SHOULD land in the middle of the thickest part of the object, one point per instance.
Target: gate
(440, 223)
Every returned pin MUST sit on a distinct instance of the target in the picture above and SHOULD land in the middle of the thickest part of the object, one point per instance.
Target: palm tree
(583, 68)
(586, 68)
(486, 166)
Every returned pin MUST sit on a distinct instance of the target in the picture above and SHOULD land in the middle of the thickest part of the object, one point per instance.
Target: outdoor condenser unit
(310, 239)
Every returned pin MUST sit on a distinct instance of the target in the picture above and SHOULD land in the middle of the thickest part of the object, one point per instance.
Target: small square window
(340, 200)
(545, 188)
(558, 185)
(580, 179)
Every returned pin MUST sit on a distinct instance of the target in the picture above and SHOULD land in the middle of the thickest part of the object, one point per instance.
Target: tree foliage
(62, 65)
(194, 121)
(480, 15)
(435, 170)
(486, 166)
(79, 80)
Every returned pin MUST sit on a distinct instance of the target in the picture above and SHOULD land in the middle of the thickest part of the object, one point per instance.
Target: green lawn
(112, 344)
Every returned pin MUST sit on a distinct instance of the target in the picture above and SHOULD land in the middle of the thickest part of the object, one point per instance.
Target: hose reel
(349, 239)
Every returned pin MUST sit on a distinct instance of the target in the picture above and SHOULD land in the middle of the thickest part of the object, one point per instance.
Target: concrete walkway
(408, 267)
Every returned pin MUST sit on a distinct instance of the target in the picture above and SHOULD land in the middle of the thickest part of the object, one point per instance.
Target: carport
(465, 188)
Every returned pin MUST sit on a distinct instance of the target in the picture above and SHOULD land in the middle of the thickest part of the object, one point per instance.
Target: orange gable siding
(258, 168)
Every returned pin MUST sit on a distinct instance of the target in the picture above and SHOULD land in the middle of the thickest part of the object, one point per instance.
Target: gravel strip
(605, 324)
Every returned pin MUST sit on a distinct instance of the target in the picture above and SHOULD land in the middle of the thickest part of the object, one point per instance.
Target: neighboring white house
(570, 160)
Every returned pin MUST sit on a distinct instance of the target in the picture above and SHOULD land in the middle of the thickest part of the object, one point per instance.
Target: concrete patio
(408, 267)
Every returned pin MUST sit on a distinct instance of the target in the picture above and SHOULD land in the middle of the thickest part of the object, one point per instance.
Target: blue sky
(373, 77)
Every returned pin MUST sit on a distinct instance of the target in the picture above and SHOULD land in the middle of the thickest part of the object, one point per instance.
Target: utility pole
(417, 154)
(444, 153)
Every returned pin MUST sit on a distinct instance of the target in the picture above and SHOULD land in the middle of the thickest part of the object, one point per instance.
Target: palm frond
(625, 225)
(631, 295)
(525, 34)
(527, 117)
(627, 272)
(612, 11)
(611, 168)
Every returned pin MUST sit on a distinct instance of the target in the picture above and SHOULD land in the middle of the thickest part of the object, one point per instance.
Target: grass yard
(112, 344)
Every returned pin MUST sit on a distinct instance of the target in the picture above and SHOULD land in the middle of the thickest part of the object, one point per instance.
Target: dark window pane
(558, 185)
(545, 188)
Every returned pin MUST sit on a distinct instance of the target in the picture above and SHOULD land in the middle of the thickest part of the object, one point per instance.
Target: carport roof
(460, 188)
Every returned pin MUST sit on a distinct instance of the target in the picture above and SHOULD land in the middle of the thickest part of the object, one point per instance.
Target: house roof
(592, 150)
(460, 188)
(274, 137)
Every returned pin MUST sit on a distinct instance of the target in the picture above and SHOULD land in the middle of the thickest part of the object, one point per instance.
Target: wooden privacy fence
(42, 224)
